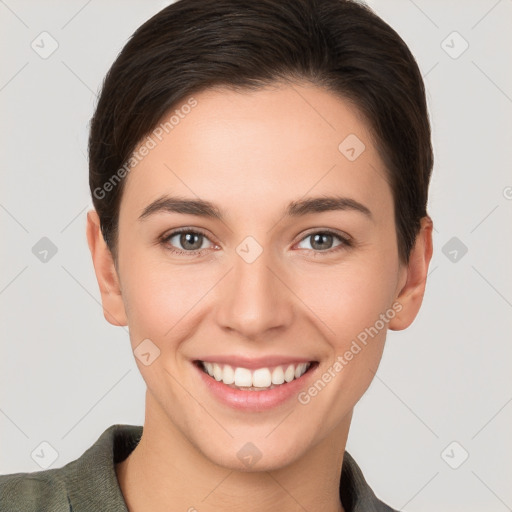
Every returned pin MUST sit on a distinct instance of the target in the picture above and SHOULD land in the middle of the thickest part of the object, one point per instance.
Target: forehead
(251, 148)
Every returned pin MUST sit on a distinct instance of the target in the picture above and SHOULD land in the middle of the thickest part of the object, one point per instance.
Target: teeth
(260, 378)
(300, 369)
(278, 375)
(289, 374)
(209, 368)
(228, 376)
(217, 372)
(243, 377)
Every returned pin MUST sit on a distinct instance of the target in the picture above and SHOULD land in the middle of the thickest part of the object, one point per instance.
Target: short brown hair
(193, 45)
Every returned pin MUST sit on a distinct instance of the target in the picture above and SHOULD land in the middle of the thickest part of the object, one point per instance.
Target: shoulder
(27, 492)
(84, 484)
(355, 492)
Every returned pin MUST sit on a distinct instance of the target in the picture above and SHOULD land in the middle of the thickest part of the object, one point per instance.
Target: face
(268, 282)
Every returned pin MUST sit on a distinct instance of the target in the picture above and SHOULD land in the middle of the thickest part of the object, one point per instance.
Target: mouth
(257, 379)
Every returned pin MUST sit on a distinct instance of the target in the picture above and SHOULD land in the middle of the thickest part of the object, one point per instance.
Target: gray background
(66, 374)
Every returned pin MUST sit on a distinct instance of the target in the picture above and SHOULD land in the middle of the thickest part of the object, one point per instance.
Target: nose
(254, 298)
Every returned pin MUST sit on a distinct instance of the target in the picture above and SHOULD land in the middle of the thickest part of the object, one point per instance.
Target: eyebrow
(207, 209)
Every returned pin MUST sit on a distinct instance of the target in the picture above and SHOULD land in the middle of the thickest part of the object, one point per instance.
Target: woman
(259, 173)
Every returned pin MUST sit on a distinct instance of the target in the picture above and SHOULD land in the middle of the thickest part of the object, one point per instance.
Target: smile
(259, 379)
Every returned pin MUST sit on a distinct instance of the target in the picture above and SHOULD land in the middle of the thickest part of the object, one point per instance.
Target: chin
(252, 453)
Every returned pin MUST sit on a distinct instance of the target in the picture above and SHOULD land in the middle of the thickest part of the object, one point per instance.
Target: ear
(412, 285)
(106, 273)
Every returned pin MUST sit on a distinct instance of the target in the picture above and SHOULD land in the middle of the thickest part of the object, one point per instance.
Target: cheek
(355, 302)
(350, 297)
(161, 298)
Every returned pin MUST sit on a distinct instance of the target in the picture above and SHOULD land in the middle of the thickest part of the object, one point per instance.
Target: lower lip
(255, 400)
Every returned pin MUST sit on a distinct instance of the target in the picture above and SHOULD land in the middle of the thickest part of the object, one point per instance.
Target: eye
(322, 241)
(188, 241)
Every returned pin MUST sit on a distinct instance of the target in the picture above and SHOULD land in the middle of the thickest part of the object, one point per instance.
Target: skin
(251, 153)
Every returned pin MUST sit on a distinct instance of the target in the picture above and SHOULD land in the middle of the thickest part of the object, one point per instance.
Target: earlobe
(410, 294)
(106, 273)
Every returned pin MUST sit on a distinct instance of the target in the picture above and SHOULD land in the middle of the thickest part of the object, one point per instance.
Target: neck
(165, 472)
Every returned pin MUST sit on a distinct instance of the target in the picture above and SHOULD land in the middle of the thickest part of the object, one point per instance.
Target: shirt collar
(91, 479)
(92, 483)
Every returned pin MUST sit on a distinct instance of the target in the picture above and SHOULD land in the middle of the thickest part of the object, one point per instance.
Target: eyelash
(345, 242)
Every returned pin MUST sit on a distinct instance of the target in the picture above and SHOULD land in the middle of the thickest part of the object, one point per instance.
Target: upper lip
(252, 363)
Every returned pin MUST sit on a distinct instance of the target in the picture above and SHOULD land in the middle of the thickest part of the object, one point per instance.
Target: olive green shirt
(89, 483)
